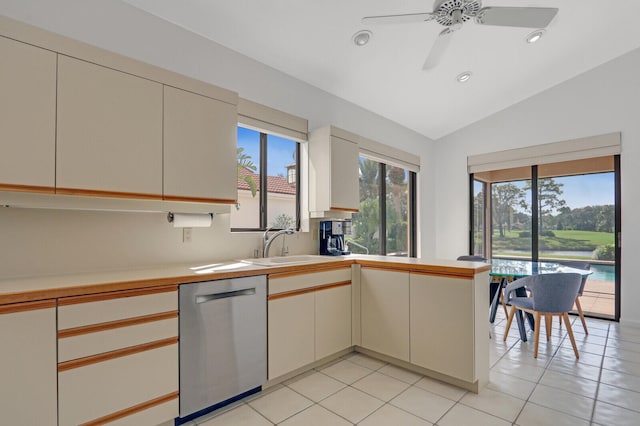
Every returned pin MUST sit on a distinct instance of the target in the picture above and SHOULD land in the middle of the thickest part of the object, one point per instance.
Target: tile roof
(277, 184)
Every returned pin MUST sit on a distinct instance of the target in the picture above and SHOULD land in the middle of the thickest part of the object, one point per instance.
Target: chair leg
(548, 319)
(509, 321)
(570, 332)
(584, 323)
(537, 332)
(504, 304)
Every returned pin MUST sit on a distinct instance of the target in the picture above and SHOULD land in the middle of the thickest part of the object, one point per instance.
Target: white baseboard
(630, 323)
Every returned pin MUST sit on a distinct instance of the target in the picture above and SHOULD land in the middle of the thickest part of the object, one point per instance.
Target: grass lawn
(563, 241)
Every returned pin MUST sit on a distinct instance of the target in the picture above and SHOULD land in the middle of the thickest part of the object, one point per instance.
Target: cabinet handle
(215, 296)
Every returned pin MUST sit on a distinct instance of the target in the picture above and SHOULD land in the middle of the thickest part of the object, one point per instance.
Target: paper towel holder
(170, 216)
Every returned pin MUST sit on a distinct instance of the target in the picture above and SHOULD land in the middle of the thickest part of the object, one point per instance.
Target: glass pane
(511, 219)
(281, 182)
(478, 218)
(577, 224)
(397, 224)
(366, 224)
(247, 215)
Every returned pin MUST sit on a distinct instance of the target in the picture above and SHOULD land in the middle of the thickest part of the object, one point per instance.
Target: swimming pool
(603, 272)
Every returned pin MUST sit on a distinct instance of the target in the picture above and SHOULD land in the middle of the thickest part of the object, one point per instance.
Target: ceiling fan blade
(438, 48)
(398, 19)
(527, 17)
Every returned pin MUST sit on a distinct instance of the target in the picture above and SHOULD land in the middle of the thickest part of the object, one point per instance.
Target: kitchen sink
(289, 260)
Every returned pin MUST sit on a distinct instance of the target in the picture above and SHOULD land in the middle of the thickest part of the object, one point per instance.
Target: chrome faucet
(267, 240)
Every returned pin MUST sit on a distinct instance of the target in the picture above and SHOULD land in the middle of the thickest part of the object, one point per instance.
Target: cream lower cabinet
(28, 364)
(309, 318)
(118, 357)
(448, 334)
(290, 333)
(27, 117)
(385, 312)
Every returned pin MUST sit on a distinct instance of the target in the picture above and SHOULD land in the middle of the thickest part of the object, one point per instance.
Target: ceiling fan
(453, 13)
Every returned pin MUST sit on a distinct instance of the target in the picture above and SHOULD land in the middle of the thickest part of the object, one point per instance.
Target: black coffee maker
(332, 238)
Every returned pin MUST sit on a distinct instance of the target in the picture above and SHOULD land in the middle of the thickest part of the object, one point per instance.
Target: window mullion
(263, 181)
(382, 196)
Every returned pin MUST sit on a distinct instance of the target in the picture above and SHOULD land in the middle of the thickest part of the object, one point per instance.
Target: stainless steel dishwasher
(223, 341)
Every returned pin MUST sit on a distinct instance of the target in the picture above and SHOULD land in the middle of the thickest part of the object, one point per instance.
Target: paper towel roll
(190, 220)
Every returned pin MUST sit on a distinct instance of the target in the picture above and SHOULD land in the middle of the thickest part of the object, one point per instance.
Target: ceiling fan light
(535, 36)
(463, 77)
(361, 38)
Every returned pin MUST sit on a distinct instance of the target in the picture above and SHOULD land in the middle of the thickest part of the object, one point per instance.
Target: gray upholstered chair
(550, 295)
(584, 266)
(473, 258)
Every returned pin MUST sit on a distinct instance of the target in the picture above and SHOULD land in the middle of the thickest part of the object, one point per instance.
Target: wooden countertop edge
(85, 289)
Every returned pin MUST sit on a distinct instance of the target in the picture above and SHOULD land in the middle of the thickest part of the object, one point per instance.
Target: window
(268, 170)
(387, 208)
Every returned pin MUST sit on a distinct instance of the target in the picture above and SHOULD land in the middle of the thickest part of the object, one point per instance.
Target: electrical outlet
(186, 235)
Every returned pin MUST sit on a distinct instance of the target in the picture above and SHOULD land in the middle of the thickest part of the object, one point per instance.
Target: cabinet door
(199, 148)
(290, 333)
(28, 388)
(344, 175)
(333, 320)
(109, 132)
(385, 312)
(27, 117)
(441, 337)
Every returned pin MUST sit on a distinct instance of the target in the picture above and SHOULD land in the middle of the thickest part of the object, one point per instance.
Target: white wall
(53, 242)
(603, 100)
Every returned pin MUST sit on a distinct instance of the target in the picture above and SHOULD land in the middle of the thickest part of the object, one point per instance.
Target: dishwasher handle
(225, 294)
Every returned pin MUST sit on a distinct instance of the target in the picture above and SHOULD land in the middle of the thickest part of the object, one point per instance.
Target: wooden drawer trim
(27, 306)
(344, 209)
(94, 359)
(443, 275)
(310, 270)
(27, 188)
(308, 290)
(107, 194)
(132, 410)
(450, 273)
(74, 300)
(94, 328)
(198, 199)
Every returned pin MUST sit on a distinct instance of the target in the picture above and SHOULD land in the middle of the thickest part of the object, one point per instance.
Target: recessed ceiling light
(534, 36)
(463, 77)
(362, 37)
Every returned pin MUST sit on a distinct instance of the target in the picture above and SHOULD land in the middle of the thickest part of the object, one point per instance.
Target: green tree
(505, 197)
(549, 201)
(245, 162)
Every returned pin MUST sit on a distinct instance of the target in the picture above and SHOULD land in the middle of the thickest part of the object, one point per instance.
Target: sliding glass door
(566, 212)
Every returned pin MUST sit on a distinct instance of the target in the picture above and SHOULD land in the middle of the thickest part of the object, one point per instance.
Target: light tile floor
(601, 388)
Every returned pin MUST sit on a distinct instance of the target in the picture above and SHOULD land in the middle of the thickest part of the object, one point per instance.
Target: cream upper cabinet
(199, 148)
(333, 172)
(109, 138)
(384, 308)
(28, 386)
(333, 320)
(27, 117)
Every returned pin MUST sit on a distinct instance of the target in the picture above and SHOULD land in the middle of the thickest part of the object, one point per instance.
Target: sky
(279, 155)
(584, 190)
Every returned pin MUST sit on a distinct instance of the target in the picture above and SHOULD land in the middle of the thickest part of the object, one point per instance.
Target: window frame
(262, 188)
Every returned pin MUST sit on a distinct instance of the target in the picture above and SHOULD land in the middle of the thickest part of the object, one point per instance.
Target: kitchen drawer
(105, 307)
(93, 391)
(151, 416)
(91, 343)
(292, 281)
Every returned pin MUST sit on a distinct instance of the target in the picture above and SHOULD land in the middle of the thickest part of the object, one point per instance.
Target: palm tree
(244, 162)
